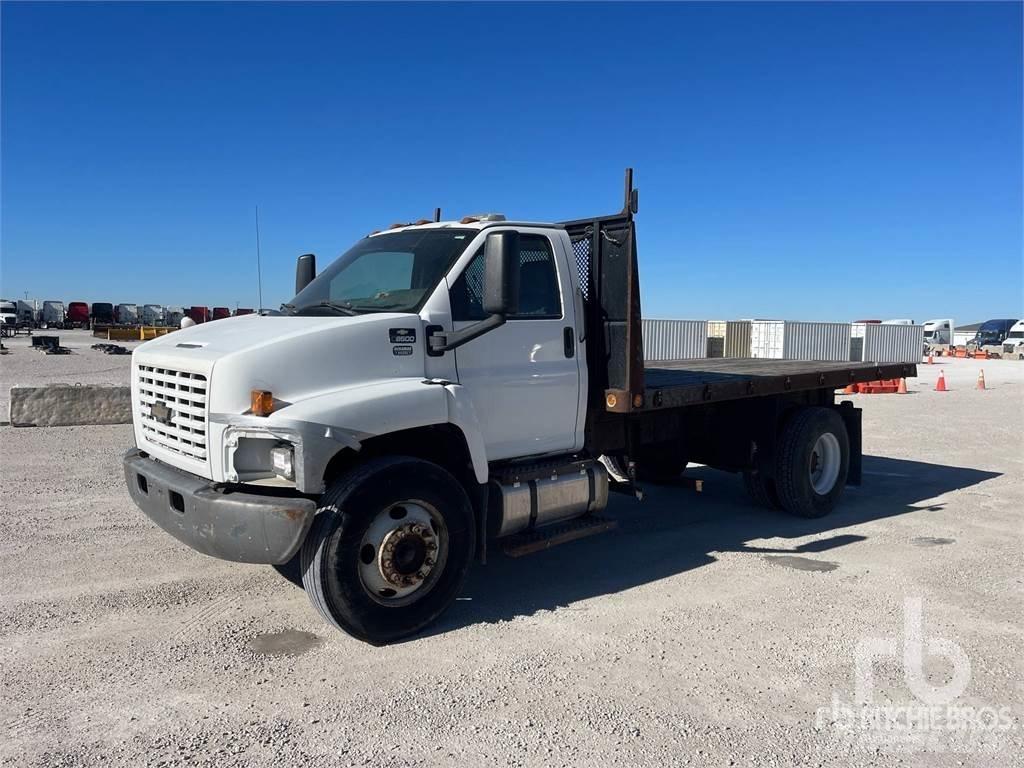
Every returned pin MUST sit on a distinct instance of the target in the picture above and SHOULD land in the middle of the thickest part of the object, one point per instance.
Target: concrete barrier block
(64, 405)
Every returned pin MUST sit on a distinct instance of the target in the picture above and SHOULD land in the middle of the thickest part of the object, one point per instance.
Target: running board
(551, 536)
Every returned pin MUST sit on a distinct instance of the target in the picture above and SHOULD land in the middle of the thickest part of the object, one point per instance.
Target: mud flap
(851, 420)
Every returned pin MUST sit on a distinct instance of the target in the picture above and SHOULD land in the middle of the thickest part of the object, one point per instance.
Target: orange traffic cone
(981, 379)
(930, 361)
(940, 385)
(902, 388)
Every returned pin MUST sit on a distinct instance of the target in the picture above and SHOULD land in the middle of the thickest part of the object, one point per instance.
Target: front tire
(812, 461)
(389, 549)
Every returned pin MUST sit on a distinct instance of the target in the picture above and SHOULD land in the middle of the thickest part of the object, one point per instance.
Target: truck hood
(292, 357)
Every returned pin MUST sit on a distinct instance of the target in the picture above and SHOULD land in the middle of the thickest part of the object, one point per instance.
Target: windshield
(388, 273)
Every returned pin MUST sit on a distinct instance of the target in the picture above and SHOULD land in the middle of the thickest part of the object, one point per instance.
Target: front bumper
(231, 525)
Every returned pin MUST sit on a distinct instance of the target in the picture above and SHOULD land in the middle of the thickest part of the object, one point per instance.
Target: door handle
(569, 341)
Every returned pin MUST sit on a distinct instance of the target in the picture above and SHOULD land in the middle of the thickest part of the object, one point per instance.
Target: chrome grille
(183, 428)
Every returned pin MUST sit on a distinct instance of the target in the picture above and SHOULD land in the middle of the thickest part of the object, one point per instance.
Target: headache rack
(605, 251)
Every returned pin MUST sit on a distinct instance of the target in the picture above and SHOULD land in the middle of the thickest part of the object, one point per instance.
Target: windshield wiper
(335, 305)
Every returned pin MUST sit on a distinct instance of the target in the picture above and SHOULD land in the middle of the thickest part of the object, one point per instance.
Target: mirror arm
(443, 342)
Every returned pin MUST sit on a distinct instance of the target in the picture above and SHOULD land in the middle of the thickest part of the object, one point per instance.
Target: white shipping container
(675, 339)
(891, 343)
(794, 340)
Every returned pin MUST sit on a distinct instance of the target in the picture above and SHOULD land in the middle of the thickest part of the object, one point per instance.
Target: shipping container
(219, 313)
(243, 311)
(794, 340)
(675, 339)
(728, 338)
(887, 343)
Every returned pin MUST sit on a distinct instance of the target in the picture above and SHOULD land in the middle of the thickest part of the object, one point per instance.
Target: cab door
(524, 376)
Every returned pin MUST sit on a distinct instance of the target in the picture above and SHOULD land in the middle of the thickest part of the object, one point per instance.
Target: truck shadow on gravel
(675, 530)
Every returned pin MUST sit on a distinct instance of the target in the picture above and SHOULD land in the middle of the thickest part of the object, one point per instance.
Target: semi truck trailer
(444, 386)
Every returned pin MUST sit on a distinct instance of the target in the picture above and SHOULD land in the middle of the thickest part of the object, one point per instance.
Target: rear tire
(761, 490)
(812, 461)
(660, 463)
(393, 517)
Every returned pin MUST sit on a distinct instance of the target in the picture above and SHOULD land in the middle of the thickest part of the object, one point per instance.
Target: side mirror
(500, 299)
(305, 271)
(501, 273)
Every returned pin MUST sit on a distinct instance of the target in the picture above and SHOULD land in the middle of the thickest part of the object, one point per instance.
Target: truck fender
(345, 417)
(462, 413)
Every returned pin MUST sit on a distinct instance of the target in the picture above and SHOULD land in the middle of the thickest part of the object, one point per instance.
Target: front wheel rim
(823, 466)
(403, 553)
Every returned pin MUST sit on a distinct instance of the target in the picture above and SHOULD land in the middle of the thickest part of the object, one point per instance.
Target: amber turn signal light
(262, 402)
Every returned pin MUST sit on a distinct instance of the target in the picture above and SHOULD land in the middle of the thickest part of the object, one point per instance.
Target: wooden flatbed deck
(674, 383)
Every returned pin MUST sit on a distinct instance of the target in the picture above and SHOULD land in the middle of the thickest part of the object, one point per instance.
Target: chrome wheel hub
(403, 552)
(823, 469)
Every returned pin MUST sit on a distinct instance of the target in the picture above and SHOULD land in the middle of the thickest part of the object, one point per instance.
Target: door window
(539, 296)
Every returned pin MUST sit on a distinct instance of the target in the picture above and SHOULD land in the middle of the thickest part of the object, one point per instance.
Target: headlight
(282, 458)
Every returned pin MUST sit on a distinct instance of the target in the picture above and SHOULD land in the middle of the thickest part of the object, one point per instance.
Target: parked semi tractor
(1013, 344)
(78, 315)
(992, 333)
(198, 314)
(53, 315)
(173, 316)
(28, 315)
(938, 332)
(8, 318)
(444, 385)
(101, 313)
(152, 314)
(126, 314)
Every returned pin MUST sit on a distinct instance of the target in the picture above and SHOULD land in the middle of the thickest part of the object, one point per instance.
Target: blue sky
(810, 161)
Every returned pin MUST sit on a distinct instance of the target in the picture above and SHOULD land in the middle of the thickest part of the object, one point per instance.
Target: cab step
(551, 536)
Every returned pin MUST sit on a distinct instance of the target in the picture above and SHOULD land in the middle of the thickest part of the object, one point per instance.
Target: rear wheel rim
(823, 465)
(403, 553)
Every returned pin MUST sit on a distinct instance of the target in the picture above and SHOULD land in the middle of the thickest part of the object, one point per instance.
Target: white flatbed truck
(443, 385)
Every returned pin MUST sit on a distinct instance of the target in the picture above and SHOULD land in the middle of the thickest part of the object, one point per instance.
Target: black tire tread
(787, 475)
(332, 506)
(759, 491)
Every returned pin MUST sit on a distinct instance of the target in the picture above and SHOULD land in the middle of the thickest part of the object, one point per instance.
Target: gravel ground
(702, 632)
(28, 367)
